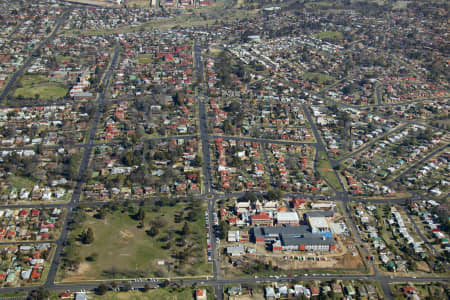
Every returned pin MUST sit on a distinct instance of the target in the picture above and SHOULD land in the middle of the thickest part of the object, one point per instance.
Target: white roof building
(288, 218)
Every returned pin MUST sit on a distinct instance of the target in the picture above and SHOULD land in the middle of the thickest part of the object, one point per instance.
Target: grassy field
(153, 294)
(139, 3)
(320, 77)
(173, 293)
(329, 35)
(32, 85)
(326, 171)
(20, 182)
(167, 293)
(184, 20)
(124, 249)
(62, 58)
(145, 58)
(321, 4)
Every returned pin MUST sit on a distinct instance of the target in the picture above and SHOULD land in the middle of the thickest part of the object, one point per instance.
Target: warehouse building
(292, 238)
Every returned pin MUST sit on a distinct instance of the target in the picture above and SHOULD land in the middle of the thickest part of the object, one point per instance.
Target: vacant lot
(125, 247)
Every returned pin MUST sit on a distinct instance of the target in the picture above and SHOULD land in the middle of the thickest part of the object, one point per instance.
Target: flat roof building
(288, 218)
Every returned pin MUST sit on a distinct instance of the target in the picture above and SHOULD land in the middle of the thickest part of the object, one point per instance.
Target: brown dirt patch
(126, 234)
(79, 274)
(351, 262)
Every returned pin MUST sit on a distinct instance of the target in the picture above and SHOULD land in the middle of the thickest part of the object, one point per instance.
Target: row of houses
(46, 125)
(173, 167)
(349, 289)
(293, 169)
(251, 172)
(29, 26)
(29, 224)
(431, 177)
(23, 264)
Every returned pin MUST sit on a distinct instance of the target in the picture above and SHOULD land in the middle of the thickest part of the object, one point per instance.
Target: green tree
(87, 237)
(128, 159)
(140, 214)
(197, 162)
(223, 229)
(74, 164)
(165, 283)
(140, 132)
(92, 257)
(153, 231)
(185, 229)
(178, 99)
(274, 194)
(101, 289)
(40, 294)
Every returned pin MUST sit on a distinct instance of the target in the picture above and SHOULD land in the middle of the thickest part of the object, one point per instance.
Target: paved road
(26, 242)
(420, 162)
(207, 176)
(81, 175)
(261, 140)
(370, 143)
(342, 197)
(55, 147)
(33, 147)
(380, 278)
(378, 95)
(12, 33)
(267, 162)
(320, 146)
(234, 281)
(423, 237)
(204, 137)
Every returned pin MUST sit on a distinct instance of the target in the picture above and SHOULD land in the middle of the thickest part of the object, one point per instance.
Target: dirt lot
(343, 259)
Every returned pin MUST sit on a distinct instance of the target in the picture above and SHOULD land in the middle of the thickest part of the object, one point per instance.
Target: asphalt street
(81, 175)
(207, 177)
